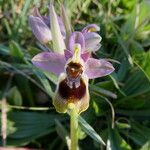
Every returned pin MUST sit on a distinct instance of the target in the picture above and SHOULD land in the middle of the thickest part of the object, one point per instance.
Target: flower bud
(40, 29)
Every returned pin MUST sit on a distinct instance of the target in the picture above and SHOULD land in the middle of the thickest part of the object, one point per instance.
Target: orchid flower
(71, 62)
(74, 68)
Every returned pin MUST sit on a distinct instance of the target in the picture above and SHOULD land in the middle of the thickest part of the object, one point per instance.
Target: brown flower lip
(72, 94)
(74, 70)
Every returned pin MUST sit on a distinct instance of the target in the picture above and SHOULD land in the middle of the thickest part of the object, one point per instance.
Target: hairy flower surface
(74, 66)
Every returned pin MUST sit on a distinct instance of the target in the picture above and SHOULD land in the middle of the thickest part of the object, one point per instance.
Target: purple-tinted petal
(95, 68)
(68, 54)
(40, 29)
(92, 41)
(91, 28)
(76, 38)
(49, 61)
(47, 20)
(85, 56)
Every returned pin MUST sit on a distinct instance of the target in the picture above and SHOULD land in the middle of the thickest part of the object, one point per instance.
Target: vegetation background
(25, 91)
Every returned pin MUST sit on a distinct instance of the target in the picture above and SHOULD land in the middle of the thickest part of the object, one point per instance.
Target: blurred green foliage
(31, 118)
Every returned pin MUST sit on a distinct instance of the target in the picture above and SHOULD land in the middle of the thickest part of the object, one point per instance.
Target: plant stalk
(73, 127)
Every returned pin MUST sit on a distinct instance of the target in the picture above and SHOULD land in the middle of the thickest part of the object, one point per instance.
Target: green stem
(73, 126)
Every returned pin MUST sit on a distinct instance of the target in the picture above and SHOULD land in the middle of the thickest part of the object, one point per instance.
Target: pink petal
(40, 29)
(49, 61)
(95, 68)
(47, 20)
(68, 54)
(92, 41)
(91, 28)
(85, 56)
(76, 38)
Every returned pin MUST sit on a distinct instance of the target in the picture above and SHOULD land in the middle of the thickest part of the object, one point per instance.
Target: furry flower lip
(74, 72)
(72, 93)
(72, 63)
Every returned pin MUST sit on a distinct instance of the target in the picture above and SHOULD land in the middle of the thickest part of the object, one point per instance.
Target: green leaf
(134, 113)
(123, 45)
(136, 84)
(4, 49)
(140, 134)
(14, 96)
(45, 82)
(142, 60)
(115, 82)
(122, 125)
(102, 91)
(16, 51)
(90, 131)
(146, 146)
(116, 142)
(135, 137)
(63, 133)
(16, 70)
(26, 126)
(52, 77)
(141, 129)
(123, 70)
